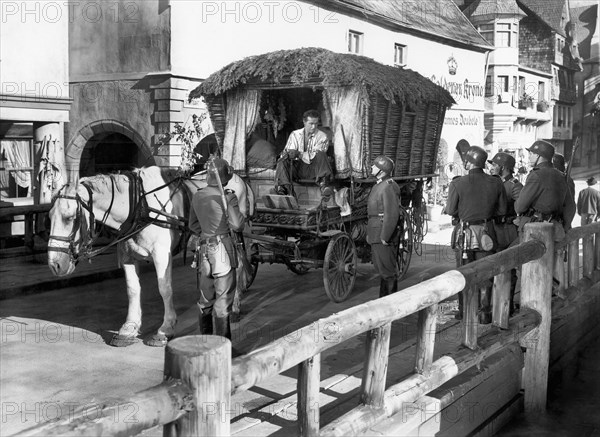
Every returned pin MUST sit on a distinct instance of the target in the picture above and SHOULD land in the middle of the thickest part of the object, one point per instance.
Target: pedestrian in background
(474, 200)
(217, 260)
(383, 209)
(588, 203)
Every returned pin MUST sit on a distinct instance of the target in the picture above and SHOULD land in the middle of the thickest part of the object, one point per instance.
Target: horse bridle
(86, 239)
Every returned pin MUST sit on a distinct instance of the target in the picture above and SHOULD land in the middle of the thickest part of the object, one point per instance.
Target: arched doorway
(108, 153)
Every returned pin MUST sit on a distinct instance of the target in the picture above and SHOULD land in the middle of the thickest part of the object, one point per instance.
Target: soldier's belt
(474, 222)
(213, 240)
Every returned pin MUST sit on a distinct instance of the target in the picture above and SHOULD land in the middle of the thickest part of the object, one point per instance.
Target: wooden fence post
(376, 363)
(470, 321)
(204, 363)
(501, 299)
(426, 328)
(309, 383)
(536, 293)
(573, 263)
(588, 256)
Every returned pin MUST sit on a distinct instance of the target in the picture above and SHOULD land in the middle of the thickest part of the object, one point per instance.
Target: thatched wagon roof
(321, 67)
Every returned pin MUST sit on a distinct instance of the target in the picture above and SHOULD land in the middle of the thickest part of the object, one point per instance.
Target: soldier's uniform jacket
(546, 192)
(207, 216)
(476, 197)
(588, 201)
(383, 208)
(513, 188)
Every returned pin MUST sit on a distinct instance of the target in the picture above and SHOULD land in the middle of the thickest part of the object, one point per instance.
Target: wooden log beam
(470, 320)
(578, 233)
(11, 211)
(443, 369)
(204, 363)
(283, 353)
(573, 260)
(501, 300)
(536, 293)
(508, 259)
(588, 256)
(377, 347)
(426, 328)
(309, 381)
(158, 405)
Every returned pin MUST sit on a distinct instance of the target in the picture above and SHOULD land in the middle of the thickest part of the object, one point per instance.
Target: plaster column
(49, 156)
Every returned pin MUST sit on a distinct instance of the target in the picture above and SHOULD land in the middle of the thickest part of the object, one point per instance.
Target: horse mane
(101, 183)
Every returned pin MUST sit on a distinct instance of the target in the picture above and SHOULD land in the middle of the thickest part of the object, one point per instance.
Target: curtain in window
(347, 110)
(242, 117)
(18, 155)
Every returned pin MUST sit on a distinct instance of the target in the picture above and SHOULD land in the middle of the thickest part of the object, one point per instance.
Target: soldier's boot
(205, 321)
(485, 305)
(223, 327)
(383, 291)
(392, 285)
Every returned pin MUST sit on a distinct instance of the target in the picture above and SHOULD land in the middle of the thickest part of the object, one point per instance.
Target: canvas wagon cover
(375, 108)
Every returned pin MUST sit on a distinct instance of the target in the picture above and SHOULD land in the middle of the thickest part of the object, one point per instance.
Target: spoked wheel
(405, 245)
(339, 267)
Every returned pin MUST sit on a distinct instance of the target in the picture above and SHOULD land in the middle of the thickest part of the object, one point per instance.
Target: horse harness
(139, 218)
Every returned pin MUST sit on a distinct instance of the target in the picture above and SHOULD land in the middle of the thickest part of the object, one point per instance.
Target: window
(399, 54)
(503, 83)
(355, 42)
(16, 168)
(541, 91)
(487, 31)
(503, 35)
(521, 85)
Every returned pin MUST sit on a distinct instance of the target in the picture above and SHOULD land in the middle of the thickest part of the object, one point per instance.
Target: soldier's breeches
(217, 280)
(385, 260)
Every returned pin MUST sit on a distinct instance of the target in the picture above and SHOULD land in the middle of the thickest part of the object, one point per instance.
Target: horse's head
(70, 218)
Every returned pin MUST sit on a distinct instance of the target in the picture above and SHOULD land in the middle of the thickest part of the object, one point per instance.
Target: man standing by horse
(214, 213)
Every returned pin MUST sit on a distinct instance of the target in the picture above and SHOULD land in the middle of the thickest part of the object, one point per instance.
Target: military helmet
(559, 162)
(543, 149)
(384, 164)
(476, 156)
(503, 159)
(223, 168)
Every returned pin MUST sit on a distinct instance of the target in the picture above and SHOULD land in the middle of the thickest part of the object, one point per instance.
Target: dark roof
(585, 19)
(550, 12)
(492, 8)
(439, 18)
(320, 67)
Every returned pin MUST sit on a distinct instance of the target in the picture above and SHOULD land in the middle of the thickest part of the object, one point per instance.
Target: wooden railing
(29, 213)
(200, 376)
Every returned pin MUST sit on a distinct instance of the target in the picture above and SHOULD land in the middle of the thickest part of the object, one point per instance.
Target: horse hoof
(158, 340)
(122, 340)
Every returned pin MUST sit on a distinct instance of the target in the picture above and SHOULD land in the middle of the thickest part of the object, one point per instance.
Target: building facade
(130, 81)
(34, 103)
(530, 88)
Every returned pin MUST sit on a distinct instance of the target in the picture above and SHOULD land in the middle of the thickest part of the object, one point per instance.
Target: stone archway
(97, 131)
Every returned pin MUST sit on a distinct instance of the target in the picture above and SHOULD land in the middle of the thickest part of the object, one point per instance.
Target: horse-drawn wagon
(368, 109)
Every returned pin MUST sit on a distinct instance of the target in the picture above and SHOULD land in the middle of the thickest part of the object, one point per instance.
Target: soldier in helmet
(474, 200)
(558, 160)
(217, 259)
(503, 165)
(545, 196)
(383, 208)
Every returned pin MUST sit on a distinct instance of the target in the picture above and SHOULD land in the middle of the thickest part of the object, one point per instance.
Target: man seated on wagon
(305, 157)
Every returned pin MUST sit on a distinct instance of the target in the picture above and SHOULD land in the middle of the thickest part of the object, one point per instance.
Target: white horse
(148, 208)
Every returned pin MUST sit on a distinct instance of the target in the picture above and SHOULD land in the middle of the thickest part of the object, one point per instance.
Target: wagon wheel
(339, 267)
(405, 245)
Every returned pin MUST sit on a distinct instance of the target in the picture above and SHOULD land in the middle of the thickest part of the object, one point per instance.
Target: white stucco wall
(33, 55)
